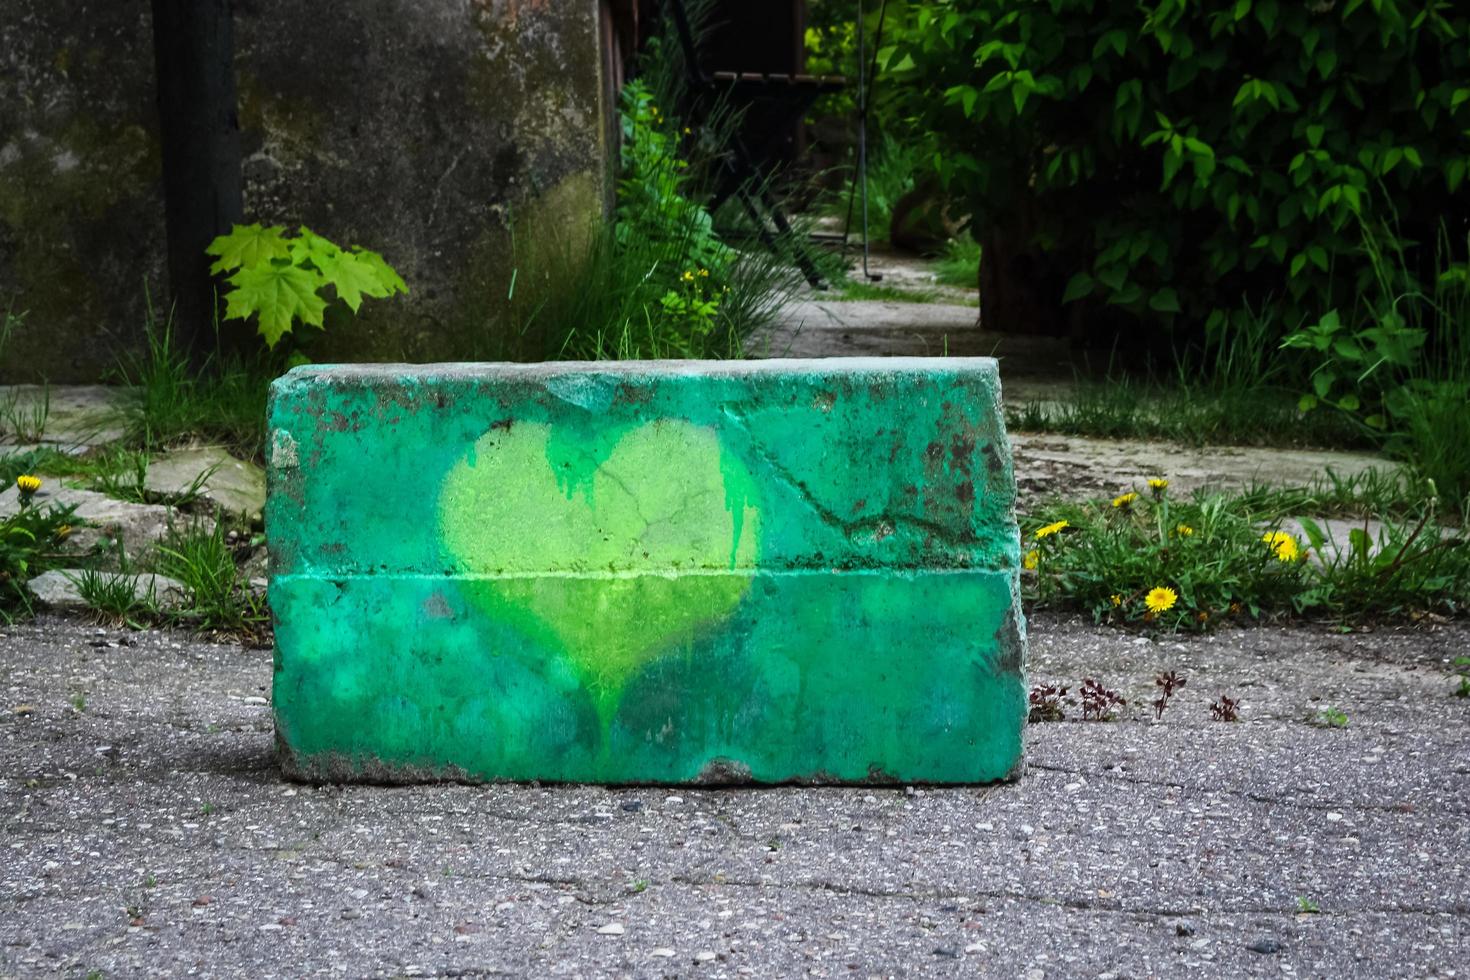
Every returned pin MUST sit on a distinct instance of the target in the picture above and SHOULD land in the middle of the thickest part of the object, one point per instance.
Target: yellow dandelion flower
(1050, 529)
(1158, 485)
(1031, 559)
(687, 130)
(1160, 599)
(1184, 531)
(1116, 599)
(1283, 545)
(704, 273)
(1124, 500)
(27, 484)
(687, 276)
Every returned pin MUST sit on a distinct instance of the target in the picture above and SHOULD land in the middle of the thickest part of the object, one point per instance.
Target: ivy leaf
(1079, 287)
(279, 293)
(247, 245)
(1166, 300)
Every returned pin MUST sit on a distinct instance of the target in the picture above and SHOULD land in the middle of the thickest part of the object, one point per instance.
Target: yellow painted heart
(612, 550)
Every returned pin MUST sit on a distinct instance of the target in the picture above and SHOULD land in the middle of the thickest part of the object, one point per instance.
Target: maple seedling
(279, 279)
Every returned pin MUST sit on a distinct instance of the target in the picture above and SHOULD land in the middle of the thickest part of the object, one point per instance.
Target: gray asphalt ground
(147, 833)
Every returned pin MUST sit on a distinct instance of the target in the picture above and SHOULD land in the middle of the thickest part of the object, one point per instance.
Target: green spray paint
(641, 522)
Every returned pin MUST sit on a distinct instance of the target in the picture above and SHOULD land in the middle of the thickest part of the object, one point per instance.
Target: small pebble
(704, 956)
(611, 929)
(663, 951)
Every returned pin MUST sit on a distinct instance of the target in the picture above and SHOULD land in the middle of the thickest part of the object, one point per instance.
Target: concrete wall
(413, 127)
(650, 572)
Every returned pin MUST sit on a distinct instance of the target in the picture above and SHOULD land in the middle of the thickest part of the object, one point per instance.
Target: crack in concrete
(1078, 904)
(1246, 794)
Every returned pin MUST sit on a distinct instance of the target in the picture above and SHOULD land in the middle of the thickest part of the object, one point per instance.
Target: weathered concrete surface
(1133, 848)
(416, 129)
(73, 417)
(650, 572)
(234, 486)
(1076, 467)
(822, 327)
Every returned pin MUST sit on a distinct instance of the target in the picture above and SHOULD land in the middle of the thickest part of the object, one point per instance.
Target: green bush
(1180, 160)
(658, 281)
(1399, 359)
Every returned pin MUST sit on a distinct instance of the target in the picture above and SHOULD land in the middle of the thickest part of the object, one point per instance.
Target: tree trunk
(194, 51)
(1019, 291)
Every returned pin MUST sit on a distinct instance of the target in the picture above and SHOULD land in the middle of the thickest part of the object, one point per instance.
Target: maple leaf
(247, 245)
(353, 276)
(390, 278)
(308, 246)
(279, 292)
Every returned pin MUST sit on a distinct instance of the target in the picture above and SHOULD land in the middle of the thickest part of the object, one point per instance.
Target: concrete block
(662, 572)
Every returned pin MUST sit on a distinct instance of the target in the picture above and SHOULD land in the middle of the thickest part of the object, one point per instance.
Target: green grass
(1402, 357)
(169, 403)
(959, 265)
(855, 290)
(1232, 386)
(202, 560)
(1393, 492)
(598, 298)
(123, 475)
(114, 597)
(892, 165)
(1192, 414)
(51, 462)
(118, 472)
(25, 421)
(1212, 552)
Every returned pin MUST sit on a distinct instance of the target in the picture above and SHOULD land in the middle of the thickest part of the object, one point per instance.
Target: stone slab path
(74, 417)
(1076, 467)
(147, 832)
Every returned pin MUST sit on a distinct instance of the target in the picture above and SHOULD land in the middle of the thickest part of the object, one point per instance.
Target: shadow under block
(654, 572)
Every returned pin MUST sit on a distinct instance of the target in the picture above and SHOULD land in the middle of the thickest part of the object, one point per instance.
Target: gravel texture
(147, 832)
